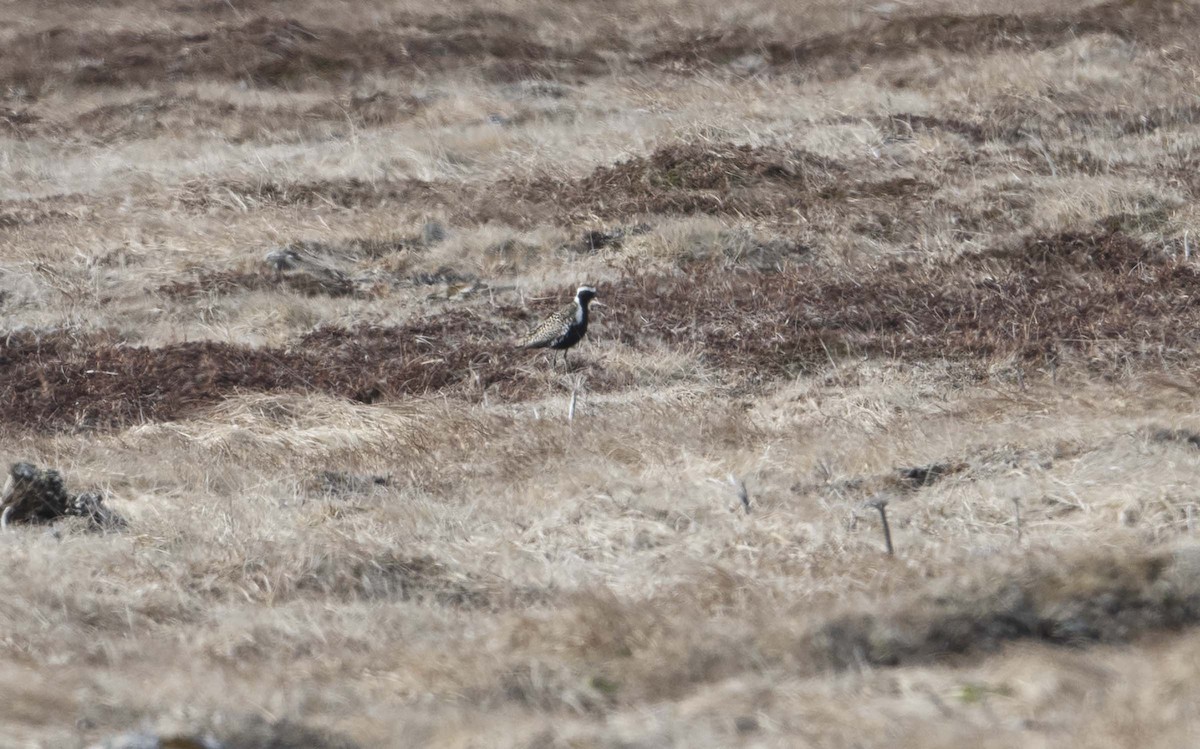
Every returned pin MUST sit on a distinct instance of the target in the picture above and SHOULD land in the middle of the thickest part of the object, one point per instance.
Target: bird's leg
(566, 360)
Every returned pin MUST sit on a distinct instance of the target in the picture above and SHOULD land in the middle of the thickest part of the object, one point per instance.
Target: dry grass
(939, 254)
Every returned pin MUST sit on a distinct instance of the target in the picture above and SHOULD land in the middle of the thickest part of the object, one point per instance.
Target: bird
(565, 328)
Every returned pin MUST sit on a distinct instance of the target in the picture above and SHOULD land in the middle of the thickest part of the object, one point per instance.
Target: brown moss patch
(55, 380)
(719, 178)
(1105, 298)
(902, 35)
(274, 52)
(277, 51)
(164, 115)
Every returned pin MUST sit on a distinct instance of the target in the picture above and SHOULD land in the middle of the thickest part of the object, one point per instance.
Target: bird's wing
(551, 329)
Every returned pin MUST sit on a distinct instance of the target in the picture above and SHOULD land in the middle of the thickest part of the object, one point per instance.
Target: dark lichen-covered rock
(37, 495)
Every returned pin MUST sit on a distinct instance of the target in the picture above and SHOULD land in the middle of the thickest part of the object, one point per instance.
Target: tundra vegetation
(928, 263)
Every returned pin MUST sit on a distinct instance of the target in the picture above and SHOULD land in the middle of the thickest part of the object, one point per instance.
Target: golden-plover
(565, 328)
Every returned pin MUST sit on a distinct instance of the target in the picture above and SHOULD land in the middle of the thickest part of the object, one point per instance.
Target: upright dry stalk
(881, 503)
(739, 487)
(577, 382)
(1046, 155)
(1017, 517)
(1191, 519)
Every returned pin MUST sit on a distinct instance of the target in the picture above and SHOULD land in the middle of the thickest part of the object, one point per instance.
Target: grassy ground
(933, 253)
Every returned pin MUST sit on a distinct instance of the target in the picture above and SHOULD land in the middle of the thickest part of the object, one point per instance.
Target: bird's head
(585, 294)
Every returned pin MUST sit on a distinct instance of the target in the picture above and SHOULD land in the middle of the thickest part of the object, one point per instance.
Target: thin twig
(881, 503)
(1191, 519)
(739, 487)
(1046, 154)
(836, 369)
(1017, 515)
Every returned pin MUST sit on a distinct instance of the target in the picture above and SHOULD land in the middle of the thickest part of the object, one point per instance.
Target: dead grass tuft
(390, 575)
(223, 282)
(245, 195)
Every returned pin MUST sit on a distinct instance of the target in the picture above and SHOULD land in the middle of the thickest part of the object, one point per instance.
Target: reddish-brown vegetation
(716, 178)
(1103, 295)
(879, 40)
(274, 52)
(55, 379)
(168, 114)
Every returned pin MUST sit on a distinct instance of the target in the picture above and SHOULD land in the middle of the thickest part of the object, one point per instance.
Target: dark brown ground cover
(712, 178)
(270, 50)
(162, 115)
(1102, 299)
(56, 379)
(882, 39)
(1103, 296)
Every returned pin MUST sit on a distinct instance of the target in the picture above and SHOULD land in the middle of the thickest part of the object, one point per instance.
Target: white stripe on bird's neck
(578, 311)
